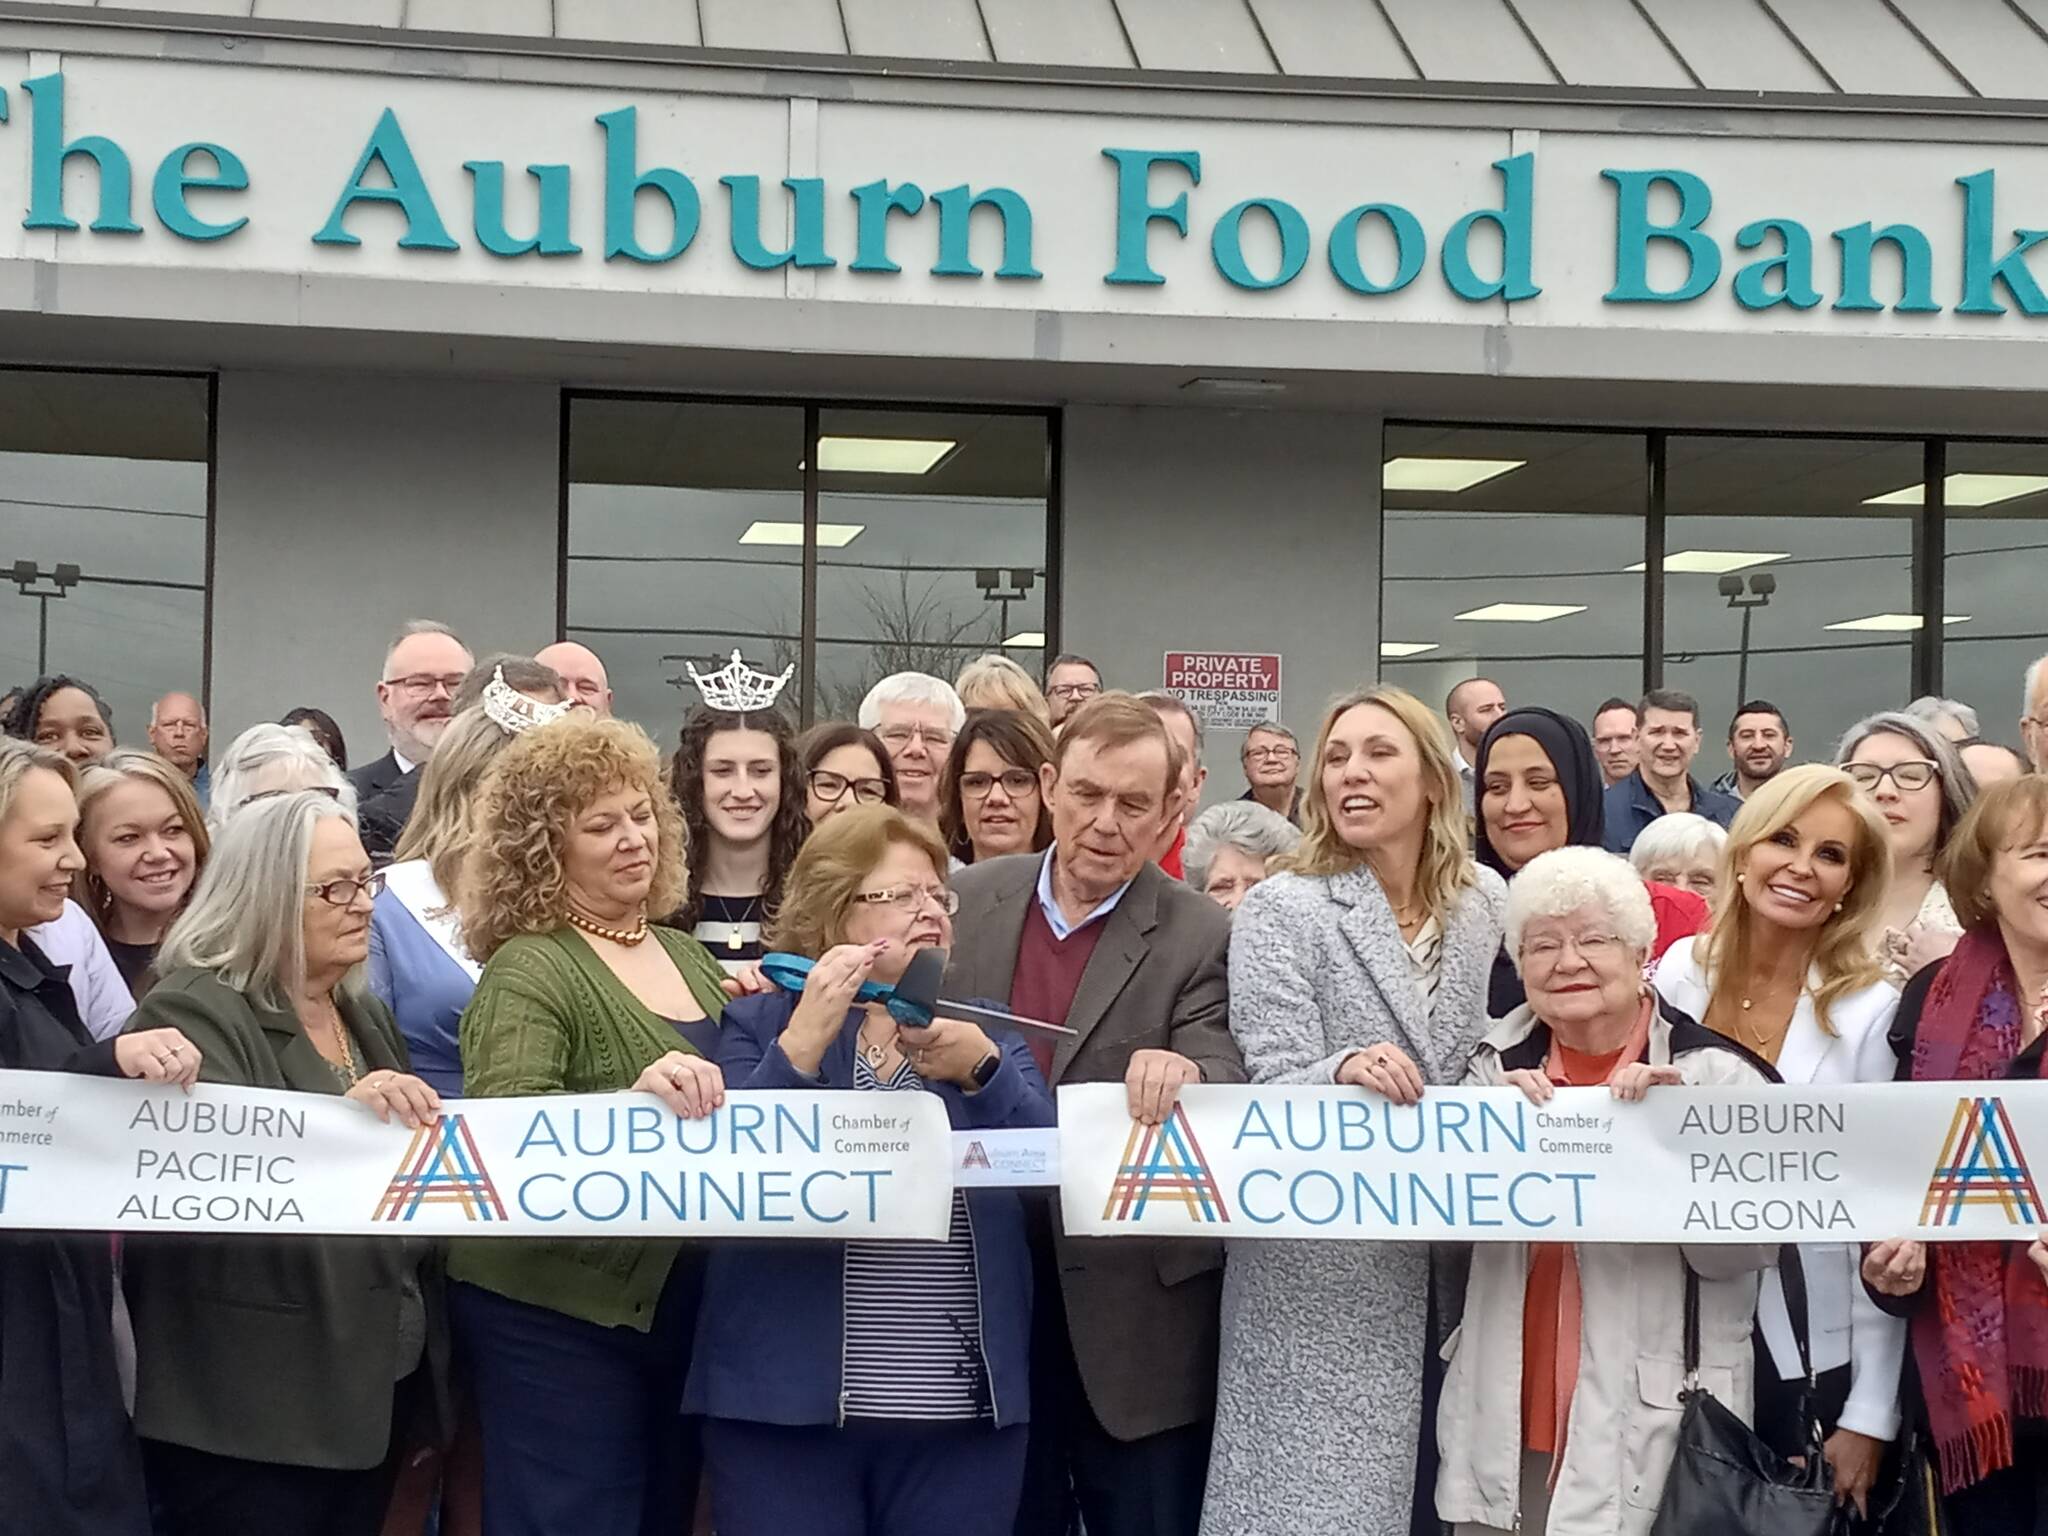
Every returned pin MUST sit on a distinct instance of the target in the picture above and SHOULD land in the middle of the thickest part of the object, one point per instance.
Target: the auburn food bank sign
(126, 161)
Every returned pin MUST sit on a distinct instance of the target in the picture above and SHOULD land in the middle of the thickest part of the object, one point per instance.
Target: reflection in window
(103, 490)
(1997, 541)
(1507, 554)
(931, 531)
(685, 542)
(1817, 535)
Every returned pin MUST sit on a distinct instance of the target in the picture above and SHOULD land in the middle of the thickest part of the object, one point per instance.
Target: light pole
(990, 579)
(1761, 586)
(25, 574)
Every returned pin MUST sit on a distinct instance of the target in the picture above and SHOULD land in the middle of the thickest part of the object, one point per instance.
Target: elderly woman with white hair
(1684, 850)
(1229, 847)
(268, 760)
(1595, 1332)
(275, 1376)
(916, 716)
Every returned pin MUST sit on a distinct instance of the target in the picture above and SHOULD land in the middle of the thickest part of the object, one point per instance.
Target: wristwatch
(985, 1070)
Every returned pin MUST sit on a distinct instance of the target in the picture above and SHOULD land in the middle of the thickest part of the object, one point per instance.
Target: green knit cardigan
(550, 1017)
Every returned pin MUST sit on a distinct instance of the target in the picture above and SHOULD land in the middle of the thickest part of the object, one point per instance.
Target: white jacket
(1845, 1326)
(1623, 1429)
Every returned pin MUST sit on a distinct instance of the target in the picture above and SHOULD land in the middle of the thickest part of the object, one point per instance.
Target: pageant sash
(101, 1154)
(1856, 1163)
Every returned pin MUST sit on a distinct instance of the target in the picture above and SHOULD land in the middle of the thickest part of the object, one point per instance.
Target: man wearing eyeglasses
(917, 716)
(1070, 682)
(423, 668)
(1272, 758)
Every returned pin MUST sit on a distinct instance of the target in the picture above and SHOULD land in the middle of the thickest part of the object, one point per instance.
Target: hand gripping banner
(100, 1154)
(1784, 1164)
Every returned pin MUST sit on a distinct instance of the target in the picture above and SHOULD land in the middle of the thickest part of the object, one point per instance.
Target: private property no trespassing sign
(1227, 690)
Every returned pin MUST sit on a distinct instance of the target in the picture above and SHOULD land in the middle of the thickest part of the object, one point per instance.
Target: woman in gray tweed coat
(1368, 964)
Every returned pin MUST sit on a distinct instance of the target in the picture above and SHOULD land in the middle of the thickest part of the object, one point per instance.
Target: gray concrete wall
(347, 503)
(1218, 531)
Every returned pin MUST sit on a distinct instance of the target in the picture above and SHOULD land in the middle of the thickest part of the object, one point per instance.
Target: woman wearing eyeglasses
(275, 1376)
(1918, 783)
(843, 766)
(990, 799)
(1788, 970)
(870, 1386)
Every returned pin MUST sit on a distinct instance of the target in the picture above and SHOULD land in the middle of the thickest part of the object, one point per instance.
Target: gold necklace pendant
(629, 937)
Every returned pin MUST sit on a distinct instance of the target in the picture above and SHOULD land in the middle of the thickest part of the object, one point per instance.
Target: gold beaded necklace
(626, 936)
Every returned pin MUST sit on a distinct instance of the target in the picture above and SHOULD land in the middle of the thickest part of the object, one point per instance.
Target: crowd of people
(524, 895)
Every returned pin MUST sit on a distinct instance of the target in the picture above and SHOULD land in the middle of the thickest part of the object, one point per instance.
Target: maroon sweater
(1048, 974)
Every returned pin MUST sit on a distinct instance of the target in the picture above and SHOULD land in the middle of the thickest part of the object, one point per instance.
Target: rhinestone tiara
(513, 711)
(738, 689)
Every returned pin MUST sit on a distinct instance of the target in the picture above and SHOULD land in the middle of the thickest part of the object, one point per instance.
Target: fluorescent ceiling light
(1896, 621)
(1399, 648)
(1964, 490)
(830, 535)
(1521, 613)
(1442, 474)
(1242, 389)
(882, 455)
(1713, 562)
(1027, 640)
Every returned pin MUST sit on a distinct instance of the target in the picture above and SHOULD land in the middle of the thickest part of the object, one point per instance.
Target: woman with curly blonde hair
(1790, 971)
(580, 1349)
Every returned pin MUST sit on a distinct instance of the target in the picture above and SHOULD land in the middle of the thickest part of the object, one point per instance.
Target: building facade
(1379, 336)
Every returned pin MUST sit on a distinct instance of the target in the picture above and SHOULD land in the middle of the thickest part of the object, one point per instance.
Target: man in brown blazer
(1091, 934)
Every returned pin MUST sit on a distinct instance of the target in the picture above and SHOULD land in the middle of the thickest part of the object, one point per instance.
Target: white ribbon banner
(100, 1154)
(1768, 1165)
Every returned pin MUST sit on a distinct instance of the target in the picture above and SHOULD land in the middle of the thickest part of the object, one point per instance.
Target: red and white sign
(1227, 690)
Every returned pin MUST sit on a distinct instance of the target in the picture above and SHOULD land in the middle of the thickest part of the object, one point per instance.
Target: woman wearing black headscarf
(1539, 787)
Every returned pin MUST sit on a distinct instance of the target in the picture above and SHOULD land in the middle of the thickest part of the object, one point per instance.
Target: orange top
(1545, 1399)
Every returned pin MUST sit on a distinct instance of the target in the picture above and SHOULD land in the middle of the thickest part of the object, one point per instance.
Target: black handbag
(1725, 1481)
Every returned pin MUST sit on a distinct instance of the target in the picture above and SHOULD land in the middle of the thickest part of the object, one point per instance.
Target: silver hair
(246, 919)
(412, 627)
(1677, 838)
(2033, 678)
(1245, 825)
(1164, 703)
(1934, 709)
(1269, 728)
(1958, 787)
(912, 688)
(1568, 880)
(267, 758)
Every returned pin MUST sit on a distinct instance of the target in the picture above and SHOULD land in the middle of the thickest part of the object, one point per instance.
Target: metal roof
(1995, 49)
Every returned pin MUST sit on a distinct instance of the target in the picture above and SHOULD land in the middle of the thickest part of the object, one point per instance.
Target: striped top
(1425, 962)
(913, 1315)
(731, 929)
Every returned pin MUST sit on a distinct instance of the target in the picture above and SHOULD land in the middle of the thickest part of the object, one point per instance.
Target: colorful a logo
(976, 1156)
(1981, 1164)
(1164, 1162)
(441, 1167)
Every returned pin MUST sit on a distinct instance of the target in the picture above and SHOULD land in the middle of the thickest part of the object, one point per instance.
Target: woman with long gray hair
(275, 1376)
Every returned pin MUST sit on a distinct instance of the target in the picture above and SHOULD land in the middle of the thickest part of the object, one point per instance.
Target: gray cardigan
(1319, 1391)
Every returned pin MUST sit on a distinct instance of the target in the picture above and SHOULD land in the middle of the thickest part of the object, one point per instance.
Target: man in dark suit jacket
(1091, 934)
(423, 667)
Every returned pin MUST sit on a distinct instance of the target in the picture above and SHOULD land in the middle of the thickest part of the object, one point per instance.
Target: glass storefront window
(924, 568)
(686, 540)
(1507, 554)
(1818, 535)
(103, 534)
(1996, 534)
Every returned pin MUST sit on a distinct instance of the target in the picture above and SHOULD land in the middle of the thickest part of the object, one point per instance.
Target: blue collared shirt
(1054, 918)
(1632, 805)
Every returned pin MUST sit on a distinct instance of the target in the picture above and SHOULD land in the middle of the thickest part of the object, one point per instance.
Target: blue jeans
(875, 1477)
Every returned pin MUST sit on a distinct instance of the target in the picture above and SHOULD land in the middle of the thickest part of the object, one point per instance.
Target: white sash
(413, 884)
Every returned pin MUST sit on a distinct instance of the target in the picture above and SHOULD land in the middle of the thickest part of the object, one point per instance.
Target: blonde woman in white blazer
(1788, 969)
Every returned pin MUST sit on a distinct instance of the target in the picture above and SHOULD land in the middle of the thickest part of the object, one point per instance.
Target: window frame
(814, 409)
